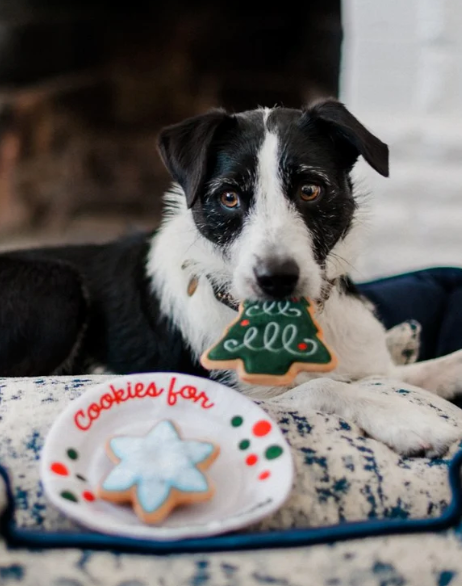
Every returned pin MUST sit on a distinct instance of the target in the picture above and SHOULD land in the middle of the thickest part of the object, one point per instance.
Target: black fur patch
(50, 297)
(232, 165)
(307, 157)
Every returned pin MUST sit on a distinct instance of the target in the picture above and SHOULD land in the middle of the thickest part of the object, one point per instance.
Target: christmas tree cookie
(158, 472)
(271, 342)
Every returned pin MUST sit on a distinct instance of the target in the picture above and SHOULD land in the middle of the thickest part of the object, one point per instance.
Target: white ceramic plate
(253, 474)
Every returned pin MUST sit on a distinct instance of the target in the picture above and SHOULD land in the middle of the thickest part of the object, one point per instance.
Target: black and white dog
(263, 207)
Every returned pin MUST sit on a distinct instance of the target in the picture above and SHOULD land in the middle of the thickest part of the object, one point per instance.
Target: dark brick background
(85, 87)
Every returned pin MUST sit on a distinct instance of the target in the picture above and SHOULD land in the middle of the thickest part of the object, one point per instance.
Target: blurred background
(85, 87)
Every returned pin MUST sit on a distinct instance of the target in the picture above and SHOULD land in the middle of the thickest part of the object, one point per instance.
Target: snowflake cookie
(158, 472)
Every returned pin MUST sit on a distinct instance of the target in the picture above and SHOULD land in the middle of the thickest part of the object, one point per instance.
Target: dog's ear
(350, 135)
(184, 148)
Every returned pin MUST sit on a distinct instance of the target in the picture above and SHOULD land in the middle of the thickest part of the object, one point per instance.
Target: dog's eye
(309, 192)
(229, 199)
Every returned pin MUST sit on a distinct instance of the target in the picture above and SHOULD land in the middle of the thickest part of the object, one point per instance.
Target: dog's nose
(279, 279)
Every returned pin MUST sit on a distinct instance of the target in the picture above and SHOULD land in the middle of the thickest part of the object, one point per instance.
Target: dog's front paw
(441, 376)
(412, 431)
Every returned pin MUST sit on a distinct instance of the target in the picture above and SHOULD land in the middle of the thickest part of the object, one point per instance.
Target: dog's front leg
(442, 376)
(408, 428)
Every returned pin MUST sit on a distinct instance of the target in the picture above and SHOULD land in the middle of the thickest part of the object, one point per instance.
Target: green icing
(274, 335)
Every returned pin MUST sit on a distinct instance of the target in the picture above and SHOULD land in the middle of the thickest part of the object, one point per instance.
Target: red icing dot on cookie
(245, 322)
(88, 496)
(302, 346)
(261, 428)
(251, 460)
(59, 468)
(264, 475)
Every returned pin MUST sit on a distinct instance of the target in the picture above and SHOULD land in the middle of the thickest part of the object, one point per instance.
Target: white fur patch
(200, 318)
(273, 230)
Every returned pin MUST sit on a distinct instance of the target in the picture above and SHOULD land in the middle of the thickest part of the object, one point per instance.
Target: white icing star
(156, 463)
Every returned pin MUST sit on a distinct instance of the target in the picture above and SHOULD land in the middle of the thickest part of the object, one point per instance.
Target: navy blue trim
(27, 538)
(437, 269)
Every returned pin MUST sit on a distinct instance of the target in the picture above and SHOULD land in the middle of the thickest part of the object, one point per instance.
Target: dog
(262, 206)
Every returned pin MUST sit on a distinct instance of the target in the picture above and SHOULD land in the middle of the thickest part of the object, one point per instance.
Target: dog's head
(271, 189)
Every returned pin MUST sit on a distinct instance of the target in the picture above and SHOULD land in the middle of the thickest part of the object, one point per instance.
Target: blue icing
(152, 494)
(121, 478)
(157, 463)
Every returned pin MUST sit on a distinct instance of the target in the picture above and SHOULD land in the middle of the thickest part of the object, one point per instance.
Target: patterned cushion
(340, 474)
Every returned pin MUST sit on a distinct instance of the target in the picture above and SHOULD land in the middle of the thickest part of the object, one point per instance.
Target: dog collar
(225, 298)
(220, 295)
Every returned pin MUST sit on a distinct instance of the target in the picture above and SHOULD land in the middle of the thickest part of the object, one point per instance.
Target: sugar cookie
(158, 471)
(270, 342)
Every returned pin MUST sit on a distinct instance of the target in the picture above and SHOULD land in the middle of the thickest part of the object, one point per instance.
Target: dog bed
(347, 487)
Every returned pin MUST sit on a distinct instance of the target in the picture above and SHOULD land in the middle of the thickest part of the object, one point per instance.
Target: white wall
(402, 77)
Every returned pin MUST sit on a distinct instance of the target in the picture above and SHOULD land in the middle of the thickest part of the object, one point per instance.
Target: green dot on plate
(73, 454)
(244, 444)
(273, 452)
(237, 421)
(66, 494)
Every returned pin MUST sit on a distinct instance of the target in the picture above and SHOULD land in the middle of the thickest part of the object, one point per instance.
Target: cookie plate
(253, 475)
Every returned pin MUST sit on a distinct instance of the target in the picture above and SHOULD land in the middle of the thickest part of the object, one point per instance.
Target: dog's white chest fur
(356, 337)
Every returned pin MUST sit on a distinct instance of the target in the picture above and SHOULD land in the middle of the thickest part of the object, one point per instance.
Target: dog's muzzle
(277, 279)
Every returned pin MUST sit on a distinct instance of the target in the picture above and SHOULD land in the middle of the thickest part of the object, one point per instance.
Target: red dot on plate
(302, 346)
(261, 428)
(245, 322)
(59, 468)
(251, 460)
(88, 496)
(264, 475)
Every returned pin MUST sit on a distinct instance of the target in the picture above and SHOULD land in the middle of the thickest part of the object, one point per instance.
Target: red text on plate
(83, 419)
(188, 392)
